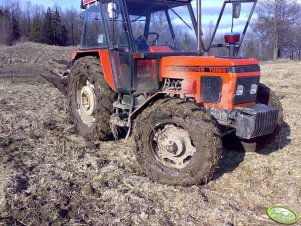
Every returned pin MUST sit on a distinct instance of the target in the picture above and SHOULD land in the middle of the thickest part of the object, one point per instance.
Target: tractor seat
(141, 46)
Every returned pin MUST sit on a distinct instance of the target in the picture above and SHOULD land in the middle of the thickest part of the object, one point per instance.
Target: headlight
(240, 90)
(253, 89)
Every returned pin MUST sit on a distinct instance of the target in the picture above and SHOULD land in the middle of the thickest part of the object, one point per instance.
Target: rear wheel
(90, 99)
(264, 96)
(177, 143)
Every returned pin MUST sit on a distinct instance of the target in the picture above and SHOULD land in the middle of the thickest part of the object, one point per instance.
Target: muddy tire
(90, 99)
(177, 143)
(265, 96)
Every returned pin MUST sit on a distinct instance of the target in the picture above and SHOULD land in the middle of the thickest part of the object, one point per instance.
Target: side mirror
(113, 11)
(82, 4)
(236, 9)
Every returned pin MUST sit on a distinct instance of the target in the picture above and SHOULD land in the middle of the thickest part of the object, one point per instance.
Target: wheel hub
(174, 147)
(86, 100)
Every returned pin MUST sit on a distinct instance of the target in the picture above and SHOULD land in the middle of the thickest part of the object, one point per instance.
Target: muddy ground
(50, 175)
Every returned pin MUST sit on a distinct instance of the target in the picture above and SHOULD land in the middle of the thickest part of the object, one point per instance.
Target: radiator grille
(211, 89)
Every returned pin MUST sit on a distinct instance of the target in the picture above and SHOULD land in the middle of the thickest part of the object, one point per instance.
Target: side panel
(106, 66)
(195, 68)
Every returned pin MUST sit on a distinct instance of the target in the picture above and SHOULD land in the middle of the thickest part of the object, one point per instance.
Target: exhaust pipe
(200, 46)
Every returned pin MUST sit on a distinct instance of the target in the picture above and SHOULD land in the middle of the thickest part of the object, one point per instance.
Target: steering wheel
(142, 39)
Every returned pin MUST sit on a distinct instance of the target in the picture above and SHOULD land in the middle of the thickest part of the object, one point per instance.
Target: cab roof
(86, 2)
(142, 7)
(138, 7)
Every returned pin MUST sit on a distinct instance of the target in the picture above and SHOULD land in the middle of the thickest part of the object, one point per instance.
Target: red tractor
(142, 68)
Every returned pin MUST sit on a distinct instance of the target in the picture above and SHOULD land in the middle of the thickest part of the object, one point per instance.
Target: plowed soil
(50, 175)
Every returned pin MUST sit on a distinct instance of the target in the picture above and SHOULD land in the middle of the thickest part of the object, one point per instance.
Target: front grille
(211, 89)
(247, 83)
(256, 121)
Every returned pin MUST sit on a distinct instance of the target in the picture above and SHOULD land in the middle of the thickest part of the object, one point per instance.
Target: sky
(210, 11)
(62, 4)
(68, 3)
(209, 5)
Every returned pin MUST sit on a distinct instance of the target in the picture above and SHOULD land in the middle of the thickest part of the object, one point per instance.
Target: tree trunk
(275, 48)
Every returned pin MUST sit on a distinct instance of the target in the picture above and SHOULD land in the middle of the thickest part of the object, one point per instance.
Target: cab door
(119, 43)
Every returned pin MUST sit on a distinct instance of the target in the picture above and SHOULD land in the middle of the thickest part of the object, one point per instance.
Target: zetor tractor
(142, 68)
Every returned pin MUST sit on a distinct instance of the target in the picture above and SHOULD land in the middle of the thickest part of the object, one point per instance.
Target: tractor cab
(139, 26)
(135, 35)
(129, 29)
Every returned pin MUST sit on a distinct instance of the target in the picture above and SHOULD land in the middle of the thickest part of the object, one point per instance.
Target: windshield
(162, 27)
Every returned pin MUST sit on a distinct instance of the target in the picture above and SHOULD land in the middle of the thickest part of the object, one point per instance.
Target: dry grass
(51, 175)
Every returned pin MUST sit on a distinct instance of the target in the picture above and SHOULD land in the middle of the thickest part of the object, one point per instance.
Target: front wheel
(177, 143)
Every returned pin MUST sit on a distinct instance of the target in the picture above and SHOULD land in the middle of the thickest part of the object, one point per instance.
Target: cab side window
(116, 24)
(94, 33)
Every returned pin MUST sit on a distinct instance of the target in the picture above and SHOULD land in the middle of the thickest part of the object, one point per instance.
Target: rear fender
(104, 57)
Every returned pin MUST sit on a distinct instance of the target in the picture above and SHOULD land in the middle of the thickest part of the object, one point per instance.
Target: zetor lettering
(198, 69)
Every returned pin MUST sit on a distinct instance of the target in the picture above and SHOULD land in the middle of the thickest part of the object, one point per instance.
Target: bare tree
(71, 19)
(208, 32)
(276, 18)
(5, 28)
(298, 43)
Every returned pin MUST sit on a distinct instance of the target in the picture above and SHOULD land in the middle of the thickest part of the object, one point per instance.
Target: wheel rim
(86, 101)
(172, 146)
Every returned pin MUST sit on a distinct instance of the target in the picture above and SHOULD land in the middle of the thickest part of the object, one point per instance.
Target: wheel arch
(104, 57)
(150, 101)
